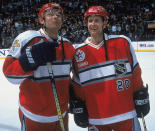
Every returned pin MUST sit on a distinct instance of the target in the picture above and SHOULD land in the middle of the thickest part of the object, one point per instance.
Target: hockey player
(26, 65)
(106, 78)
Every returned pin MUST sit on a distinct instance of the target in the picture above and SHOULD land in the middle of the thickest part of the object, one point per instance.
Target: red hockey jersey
(107, 84)
(36, 98)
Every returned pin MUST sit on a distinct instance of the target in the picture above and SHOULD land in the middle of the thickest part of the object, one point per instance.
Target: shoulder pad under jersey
(21, 40)
(130, 44)
(119, 36)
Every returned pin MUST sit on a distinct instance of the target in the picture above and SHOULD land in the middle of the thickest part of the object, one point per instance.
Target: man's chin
(56, 28)
(93, 33)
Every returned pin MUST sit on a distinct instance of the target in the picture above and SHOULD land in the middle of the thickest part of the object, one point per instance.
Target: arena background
(133, 18)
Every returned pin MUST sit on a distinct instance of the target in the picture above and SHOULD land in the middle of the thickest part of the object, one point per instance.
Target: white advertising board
(140, 46)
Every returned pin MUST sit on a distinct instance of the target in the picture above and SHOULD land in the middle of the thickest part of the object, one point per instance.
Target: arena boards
(140, 46)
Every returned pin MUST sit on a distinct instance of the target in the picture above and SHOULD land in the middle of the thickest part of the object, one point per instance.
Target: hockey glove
(37, 55)
(78, 108)
(141, 100)
(80, 113)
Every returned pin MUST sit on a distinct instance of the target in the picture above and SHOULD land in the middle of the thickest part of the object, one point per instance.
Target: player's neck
(96, 40)
(51, 34)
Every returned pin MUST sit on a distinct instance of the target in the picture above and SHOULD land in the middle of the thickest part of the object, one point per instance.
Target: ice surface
(9, 97)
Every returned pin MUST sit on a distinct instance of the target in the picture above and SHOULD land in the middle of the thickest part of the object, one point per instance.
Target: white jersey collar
(87, 41)
(45, 35)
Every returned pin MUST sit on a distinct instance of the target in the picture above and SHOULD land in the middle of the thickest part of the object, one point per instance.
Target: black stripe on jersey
(60, 62)
(18, 77)
(42, 79)
(133, 69)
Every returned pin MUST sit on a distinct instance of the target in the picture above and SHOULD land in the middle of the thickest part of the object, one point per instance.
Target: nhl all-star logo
(120, 68)
(79, 56)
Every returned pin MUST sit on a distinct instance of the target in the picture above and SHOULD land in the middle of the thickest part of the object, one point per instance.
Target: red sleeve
(78, 90)
(76, 83)
(13, 71)
(11, 66)
(136, 70)
(137, 79)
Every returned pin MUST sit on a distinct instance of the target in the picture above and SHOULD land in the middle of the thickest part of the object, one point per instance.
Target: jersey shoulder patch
(21, 40)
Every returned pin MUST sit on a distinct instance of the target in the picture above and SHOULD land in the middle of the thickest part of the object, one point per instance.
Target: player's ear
(41, 20)
(105, 22)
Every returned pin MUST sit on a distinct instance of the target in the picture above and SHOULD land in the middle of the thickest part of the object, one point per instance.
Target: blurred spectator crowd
(133, 18)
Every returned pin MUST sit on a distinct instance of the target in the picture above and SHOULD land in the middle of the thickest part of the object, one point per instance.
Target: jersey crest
(15, 45)
(79, 56)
